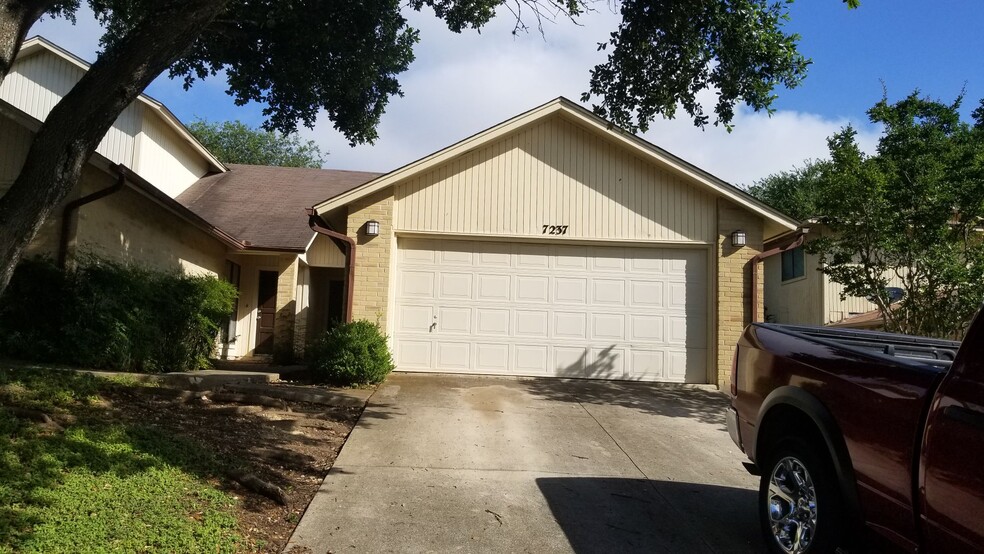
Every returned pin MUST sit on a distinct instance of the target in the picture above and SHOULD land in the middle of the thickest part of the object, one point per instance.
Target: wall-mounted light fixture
(372, 228)
(738, 238)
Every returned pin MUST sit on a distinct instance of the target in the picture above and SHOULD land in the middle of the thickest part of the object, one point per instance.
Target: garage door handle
(433, 325)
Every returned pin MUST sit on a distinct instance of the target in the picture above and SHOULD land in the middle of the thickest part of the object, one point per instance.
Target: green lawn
(99, 485)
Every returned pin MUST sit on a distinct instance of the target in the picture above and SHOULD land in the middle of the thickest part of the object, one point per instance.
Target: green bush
(351, 354)
(109, 315)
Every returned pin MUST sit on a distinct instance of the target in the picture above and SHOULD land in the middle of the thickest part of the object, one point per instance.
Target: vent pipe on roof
(316, 223)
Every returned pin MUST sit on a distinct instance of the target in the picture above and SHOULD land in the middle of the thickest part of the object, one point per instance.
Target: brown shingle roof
(265, 205)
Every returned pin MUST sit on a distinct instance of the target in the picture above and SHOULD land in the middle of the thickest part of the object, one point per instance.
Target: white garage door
(549, 310)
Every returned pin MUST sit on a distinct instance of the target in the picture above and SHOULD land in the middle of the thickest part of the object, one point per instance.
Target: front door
(266, 312)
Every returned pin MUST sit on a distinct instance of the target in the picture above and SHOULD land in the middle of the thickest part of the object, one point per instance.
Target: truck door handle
(974, 418)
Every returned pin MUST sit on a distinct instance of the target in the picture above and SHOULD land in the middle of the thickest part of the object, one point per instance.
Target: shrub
(351, 354)
(109, 315)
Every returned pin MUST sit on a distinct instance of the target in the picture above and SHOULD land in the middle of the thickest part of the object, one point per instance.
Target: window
(793, 264)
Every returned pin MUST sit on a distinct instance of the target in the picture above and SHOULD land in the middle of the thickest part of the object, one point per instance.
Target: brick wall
(734, 294)
(372, 255)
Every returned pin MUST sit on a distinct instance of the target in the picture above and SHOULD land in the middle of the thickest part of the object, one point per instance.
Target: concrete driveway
(481, 464)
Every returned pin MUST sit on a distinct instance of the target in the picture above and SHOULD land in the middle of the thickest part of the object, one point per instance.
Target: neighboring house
(798, 292)
(180, 209)
(549, 245)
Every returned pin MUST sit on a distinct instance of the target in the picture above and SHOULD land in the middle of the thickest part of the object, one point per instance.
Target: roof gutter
(757, 259)
(74, 205)
(315, 221)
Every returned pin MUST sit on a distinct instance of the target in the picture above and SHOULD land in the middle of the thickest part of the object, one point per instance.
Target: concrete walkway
(478, 464)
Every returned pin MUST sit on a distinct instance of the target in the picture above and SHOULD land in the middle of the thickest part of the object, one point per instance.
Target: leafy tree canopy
(792, 192)
(913, 210)
(302, 58)
(238, 143)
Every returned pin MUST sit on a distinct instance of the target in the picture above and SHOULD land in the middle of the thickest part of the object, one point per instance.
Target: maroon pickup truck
(863, 440)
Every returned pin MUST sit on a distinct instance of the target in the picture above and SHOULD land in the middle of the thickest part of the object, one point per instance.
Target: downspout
(315, 222)
(757, 259)
(74, 205)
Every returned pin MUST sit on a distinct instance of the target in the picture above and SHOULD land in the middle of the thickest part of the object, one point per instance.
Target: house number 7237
(555, 229)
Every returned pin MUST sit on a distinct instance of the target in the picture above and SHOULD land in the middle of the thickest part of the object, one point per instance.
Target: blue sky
(461, 84)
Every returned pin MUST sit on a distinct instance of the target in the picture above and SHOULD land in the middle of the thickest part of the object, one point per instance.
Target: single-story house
(551, 244)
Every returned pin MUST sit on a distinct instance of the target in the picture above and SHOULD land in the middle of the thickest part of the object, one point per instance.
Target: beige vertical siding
(797, 301)
(37, 83)
(555, 172)
(164, 158)
(837, 309)
(324, 253)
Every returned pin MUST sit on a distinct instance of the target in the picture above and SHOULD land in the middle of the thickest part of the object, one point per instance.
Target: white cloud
(462, 84)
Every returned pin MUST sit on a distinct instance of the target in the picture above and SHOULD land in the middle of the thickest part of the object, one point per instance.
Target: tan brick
(372, 255)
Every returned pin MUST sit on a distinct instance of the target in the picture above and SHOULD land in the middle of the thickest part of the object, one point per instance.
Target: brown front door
(266, 312)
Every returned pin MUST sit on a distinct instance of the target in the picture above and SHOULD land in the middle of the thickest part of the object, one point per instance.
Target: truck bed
(935, 354)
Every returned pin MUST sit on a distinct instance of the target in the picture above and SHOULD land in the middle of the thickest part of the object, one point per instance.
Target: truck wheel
(800, 505)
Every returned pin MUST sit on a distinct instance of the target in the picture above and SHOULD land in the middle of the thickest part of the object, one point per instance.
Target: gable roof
(37, 44)
(263, 206)
(583, 116)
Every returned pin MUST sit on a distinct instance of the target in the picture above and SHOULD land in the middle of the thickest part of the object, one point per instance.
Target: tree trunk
(76, 125)
(16, 19)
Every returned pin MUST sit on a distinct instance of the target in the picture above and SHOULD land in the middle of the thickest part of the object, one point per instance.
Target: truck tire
(800, 504)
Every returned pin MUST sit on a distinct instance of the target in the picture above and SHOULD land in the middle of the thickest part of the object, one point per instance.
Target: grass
(101, 485)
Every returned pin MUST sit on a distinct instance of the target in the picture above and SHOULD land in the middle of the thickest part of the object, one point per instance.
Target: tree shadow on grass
(701, 404)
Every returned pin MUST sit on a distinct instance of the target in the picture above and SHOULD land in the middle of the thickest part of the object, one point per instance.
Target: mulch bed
(291, 446)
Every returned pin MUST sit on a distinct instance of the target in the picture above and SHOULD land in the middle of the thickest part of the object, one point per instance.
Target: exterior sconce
(372, 228)
(738, 238)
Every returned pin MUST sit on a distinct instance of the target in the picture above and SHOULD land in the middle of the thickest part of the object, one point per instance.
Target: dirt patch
(292, 446)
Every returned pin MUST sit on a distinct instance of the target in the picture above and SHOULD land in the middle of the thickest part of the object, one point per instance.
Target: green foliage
(664, 53)
(99, 487)
(108, 315)
(238, 143)
(351, 354)
(794, 192)
(304, 58)
(913, 210)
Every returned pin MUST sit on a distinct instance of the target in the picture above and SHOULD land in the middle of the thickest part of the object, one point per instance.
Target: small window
(793, 264)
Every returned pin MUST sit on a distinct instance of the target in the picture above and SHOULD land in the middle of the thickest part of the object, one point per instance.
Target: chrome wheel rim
(792, 506)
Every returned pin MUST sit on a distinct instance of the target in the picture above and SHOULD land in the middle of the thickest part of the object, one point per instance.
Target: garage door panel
(609, 292)
(492, 357)
(647, 293)
(532, 359)
(606, 363)
(647, 328)
(414, 354)
(454, 320)
(455, 286)
(686, 366)
(452, 356)
(646, 365)
(570, 325)
(417, 284)
(532, 323)
(569, 361)
(608, 327)
(570, 290)
(532, 288)
(414, 319)
(590, 311)
(490, 321)
(494, 288)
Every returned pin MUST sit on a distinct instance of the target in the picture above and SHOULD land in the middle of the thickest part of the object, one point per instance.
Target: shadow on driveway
(701, 404)
(636, 515)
